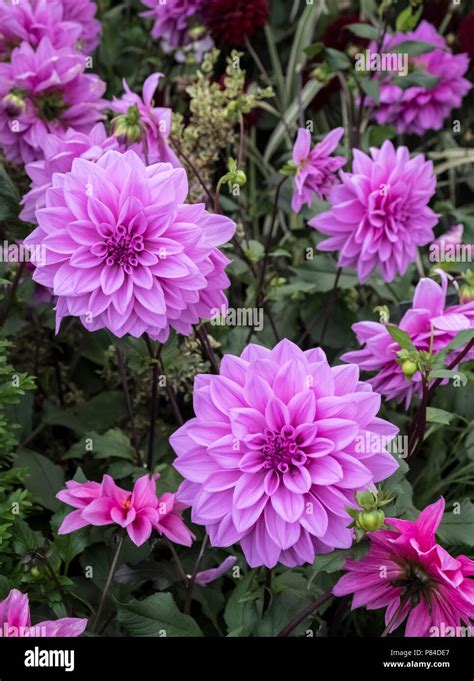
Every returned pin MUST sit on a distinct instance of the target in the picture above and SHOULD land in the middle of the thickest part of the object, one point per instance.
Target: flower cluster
(123, 250)
(138, 512)
(277, 451)
(379, 213)
(419, 108)
(429, 323)
(45, 90)
(413, 577)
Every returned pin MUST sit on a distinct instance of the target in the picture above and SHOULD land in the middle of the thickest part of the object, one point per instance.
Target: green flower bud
(128, 128)
(240, 178)
(466, 293)
(367, 499)
(409, 368)
(370, 521)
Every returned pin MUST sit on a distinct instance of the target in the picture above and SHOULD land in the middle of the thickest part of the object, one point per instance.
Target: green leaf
(158, 616)
(364, 31)
(244, 606)
(113, 444)
(413, 48)
(407, 19)
(434, 415)
(69, 545)
(25, 539)
(371, 87)
(45, 478)
(417, 78)
(401, 337)
(457, 526)
(9, 197)
(338, 61)
(460, 340)
(449, 373)
(314, 49)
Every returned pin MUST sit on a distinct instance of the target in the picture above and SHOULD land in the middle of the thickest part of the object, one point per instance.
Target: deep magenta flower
(15, 620)
(143, 127)
(32, 20)
(171, 19)
(45, 90)
(379, 213)
(428, 318)
(231, 21)
(416, 579)
(124, 252)
(83, 12)
(316, 168)
(276, 452)
(59, 151)
(420, 109)
(138, 512)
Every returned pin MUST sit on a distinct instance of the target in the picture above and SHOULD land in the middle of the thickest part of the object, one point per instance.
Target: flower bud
(409, 368)
(128, 128)
(13, 104)
(466, 294)
(370, 521)
(240, 178)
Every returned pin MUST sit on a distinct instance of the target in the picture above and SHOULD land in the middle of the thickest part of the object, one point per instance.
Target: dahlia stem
(267, 592)
(128, 401)
(108, 583)
(303, 614)
(330, 306)
(186, 158)
(192, 579)
(154, 398)
(206, 346)
(11, 295)
(261, 283)
(178, 562)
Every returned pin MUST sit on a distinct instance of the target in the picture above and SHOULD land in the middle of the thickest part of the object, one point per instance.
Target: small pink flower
(316, 168)
(138, 512)
(428, 317)
(83, 12)
(155, 123)
(420, 580)
(15, 620)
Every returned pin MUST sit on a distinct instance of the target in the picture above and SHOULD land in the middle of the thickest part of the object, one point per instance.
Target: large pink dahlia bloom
(420, 109)
(58, 154)
(124, 252)
(15, 620)
(379, 213)
(32, 20)
(277, 451)
(83, 12)
(153, 123)
(45, 91)
(410, 574)
(428, 317)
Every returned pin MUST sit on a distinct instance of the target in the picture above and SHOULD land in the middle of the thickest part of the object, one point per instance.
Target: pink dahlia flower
(59, 152)
(277, 451)
(45, 91)
(139, 511)
(379, 213)
(83, 13)
(316, 168)
(171, 19)
(124, 252)
(15, 620)
(410, 574)
(143, 127)
(428, 317)
(32, 20)
(419, 109)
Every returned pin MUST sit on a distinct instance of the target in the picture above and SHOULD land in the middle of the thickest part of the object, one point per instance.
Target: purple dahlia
(419, 109)
(123, 250)
(379, 213)
(45, 91)
(279, 445)
(83, 13)
(171, 19)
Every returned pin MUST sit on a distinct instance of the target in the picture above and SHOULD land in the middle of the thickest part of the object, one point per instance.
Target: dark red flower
(338, 36)
(465, 34)
(231, 21)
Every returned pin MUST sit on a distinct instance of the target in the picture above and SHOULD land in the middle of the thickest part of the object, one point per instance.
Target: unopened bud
(409, 368)
(370, 521)
(13, 104)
